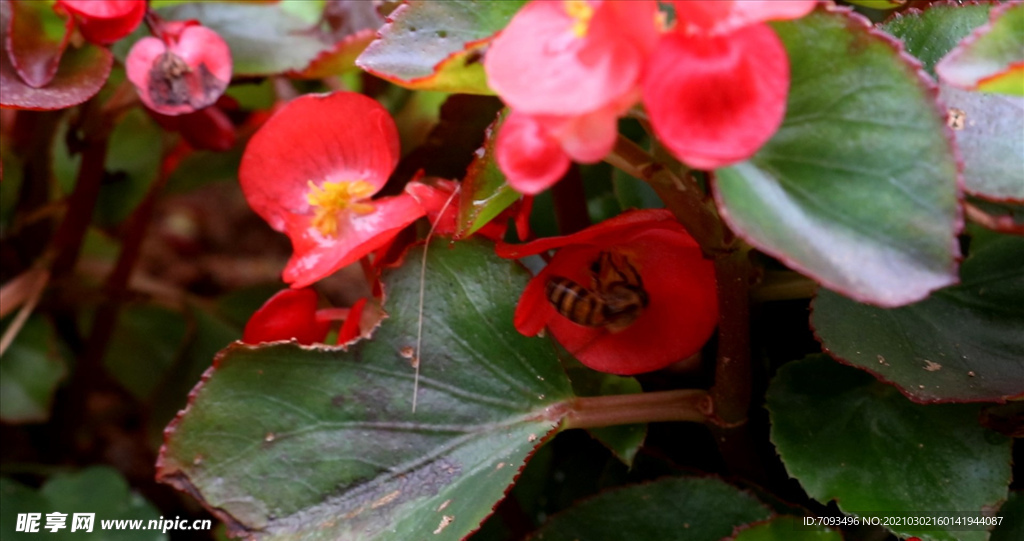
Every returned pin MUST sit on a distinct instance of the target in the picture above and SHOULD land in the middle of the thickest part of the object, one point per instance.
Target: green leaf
(987, 126)
(787, 528)
(438, 45)
(265, 39)
(29, 373)
(703, 508)
(99, 490)
(858, 189)
(143, 347)
(962, 344)
(847, 437)
(622, 440)
(992, 58)
(988, 130)
(335, 430)
(933, 32)
(485, 193)
(133, 163)
(1011, 528)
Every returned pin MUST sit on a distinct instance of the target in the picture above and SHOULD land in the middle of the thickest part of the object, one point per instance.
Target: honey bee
(614, 300)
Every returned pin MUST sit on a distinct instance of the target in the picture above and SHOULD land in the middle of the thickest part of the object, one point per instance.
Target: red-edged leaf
(36, 38)
(80, 75)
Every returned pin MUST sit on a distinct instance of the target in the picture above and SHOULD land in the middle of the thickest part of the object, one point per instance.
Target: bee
(614, 300)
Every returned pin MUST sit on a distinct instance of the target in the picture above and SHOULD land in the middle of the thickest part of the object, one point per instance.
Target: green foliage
(961, 344)
(99, 490)
(835, 185)
(702, 509)
(337, 427)
(447, 39)
(847, 437)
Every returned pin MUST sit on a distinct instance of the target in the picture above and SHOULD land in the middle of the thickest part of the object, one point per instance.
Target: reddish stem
(693, 405)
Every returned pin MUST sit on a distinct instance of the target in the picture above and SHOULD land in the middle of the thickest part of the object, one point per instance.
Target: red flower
(105, 21)
(568, 70)
(186, 69)
(716, 86)
(310, 172)
(289, 314)
(629, 295)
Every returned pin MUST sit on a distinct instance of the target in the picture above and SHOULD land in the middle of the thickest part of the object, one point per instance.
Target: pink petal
(714, 101)
(725, 16)
(539, 66)
(341, 136)
(316, 256)
(528, 155)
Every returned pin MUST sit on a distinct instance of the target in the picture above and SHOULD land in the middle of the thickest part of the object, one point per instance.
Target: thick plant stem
(682, 405)
(732, 390)
(69, 236)
(681, 195)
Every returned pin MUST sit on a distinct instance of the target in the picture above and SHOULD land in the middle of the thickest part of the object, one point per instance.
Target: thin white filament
(423, 288)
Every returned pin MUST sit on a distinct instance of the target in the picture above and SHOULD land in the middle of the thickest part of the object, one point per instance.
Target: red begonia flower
(186, 69)
(105, 21)
(646, 252)
(310, 171)
(568, 70)
(289, 314)
(716, 86)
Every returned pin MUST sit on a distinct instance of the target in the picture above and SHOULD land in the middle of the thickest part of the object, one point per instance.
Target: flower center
(581, 12)
(330, 199)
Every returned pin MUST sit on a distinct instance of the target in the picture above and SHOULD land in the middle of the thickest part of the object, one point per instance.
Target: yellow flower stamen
(331, 198)
(581, 12)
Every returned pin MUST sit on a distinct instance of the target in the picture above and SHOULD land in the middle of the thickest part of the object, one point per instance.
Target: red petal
(351, 329)
(679, 319)
(611, 231)
(528, 155)
(289, 314)
(319, 138)
(316, 256)
(106, 21)
(435, 198)
(714, 101)
(539, 66)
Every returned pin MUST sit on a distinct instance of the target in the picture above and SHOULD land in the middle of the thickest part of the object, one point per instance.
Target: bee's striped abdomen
(575, 302)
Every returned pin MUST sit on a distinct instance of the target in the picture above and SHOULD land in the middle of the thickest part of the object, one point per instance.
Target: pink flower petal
(528, 155)
(189, 74)
(714, 101)
(725, 16)
(539, 65)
